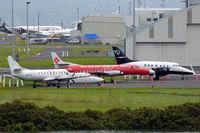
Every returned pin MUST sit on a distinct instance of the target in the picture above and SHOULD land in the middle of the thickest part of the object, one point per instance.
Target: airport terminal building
(174, 37)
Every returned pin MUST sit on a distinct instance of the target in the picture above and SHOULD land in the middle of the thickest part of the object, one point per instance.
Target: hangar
(175, 38)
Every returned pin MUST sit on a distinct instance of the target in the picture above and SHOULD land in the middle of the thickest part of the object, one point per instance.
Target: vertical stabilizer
(14, 66)
(58, 63)
(4, 27)
(120, 57)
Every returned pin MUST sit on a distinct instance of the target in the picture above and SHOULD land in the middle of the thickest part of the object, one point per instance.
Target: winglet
(58, 63)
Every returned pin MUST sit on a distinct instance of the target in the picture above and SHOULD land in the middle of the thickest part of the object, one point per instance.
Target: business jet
(160, 68)
(50, 75)
(101, 70)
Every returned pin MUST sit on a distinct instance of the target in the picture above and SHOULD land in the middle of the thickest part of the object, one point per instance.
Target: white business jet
(50, 75)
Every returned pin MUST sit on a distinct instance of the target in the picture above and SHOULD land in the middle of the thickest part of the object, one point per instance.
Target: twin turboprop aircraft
(101, 70)
(160, 68)
(50, 75)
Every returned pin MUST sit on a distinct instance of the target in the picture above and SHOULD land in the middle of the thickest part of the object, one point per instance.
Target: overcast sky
(53, 12)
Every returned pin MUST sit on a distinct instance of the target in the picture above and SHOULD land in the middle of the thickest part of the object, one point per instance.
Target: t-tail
(4, 27)
(58, 63)
(120, 57)
(14, 66)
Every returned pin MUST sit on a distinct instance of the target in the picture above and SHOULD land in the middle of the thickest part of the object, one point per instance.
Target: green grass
(5, 52)
(79, 99)
(90, 60)
(90, 49)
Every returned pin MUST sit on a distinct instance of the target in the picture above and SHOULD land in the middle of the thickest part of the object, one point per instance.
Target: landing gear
(34, 84)
(182, 78)
(111, 80)
(156, 77)
(58, 85)
(99, 84)
(68, 84)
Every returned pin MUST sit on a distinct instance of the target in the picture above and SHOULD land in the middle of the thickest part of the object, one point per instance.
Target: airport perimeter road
(64, 50)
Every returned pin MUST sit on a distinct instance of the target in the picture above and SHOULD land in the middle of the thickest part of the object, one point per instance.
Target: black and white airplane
(160, 68)
(16, 30)
(50, 75)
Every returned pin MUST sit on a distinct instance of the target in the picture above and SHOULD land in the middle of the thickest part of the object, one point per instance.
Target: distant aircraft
(50, 75)
(101, 70)
(44, 30)
(160, 68)
(16, 30)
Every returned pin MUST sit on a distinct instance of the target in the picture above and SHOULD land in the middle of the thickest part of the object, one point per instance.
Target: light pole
(27, 37)
(13, 44)
(38, 23)
(134, 34)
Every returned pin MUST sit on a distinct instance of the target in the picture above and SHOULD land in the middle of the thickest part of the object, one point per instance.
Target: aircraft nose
(186, 71)
(151, 72)
(99, 79)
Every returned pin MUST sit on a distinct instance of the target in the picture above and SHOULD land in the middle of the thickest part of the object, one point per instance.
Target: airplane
(44, 30)
(16, 30)
(50, 75)
(160, 68)
(101, 70)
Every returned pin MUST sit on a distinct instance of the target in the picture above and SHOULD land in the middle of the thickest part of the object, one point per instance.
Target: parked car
(73, 41)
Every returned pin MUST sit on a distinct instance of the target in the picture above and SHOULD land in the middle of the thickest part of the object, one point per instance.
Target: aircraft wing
(68, 77)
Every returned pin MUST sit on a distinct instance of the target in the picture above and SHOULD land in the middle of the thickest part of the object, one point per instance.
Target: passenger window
(110, 68)
(119, 68)
(145, 65)
(148, 65)
(122, 68)
(114, 67)
(126, 68)
(151, 65)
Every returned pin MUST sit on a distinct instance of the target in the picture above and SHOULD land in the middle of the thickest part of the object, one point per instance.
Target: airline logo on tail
(1, 23)
(117, 52)
(56, 60)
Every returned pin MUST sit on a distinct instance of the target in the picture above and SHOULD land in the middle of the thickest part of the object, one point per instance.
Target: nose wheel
(34, 84)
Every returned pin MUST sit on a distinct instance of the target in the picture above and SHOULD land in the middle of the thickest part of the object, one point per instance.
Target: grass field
(90, 49)
(79, 99)
(5, 52)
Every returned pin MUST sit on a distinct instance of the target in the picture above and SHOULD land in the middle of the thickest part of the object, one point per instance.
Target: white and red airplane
(101, 70)
(50, 75)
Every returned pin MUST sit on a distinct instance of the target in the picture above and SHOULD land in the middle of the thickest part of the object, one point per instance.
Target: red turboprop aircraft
(101, 70)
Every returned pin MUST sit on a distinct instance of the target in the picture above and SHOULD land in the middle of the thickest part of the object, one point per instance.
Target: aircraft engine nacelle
(162, 71)
(114, 73)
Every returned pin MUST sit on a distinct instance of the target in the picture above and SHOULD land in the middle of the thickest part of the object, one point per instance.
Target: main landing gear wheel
(58, 85)
(34, 85)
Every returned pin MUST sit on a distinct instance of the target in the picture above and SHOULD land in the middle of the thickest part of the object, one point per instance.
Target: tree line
(22, 116)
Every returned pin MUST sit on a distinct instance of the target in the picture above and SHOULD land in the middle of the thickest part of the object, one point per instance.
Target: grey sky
(53, 12)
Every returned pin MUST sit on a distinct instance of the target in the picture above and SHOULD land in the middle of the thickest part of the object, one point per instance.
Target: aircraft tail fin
(58, 63)
(120, 57)
(4, 27)
(14, 66)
